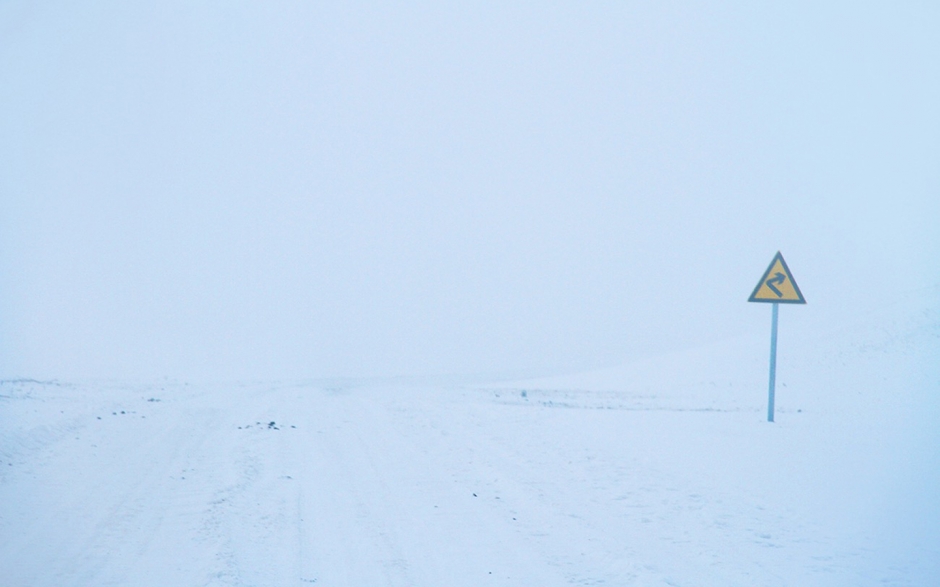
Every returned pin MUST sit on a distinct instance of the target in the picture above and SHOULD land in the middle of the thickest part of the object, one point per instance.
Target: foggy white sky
(284, 189)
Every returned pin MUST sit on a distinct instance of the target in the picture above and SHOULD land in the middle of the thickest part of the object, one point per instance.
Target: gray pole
(773, 364)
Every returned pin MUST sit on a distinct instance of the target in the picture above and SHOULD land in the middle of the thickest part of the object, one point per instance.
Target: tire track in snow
(395, 500)
(87, 519)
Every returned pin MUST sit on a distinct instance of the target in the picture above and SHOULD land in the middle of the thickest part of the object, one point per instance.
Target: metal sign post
(773, 363)
(776, 287)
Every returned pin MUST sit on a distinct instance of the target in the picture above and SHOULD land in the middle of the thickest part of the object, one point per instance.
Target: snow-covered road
(648, 475)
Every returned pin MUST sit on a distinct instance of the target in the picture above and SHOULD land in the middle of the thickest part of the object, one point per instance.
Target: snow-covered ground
(660, 472)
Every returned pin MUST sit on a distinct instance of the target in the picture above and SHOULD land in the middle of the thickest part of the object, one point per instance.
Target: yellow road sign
(777, 285)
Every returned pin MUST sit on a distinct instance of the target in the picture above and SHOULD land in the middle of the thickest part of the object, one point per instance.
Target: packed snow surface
(661, 472)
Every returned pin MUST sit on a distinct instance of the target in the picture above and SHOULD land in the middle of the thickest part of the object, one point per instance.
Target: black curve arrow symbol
(778, 278)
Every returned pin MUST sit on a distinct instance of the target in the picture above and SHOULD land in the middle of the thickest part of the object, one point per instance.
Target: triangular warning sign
(777, 285)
